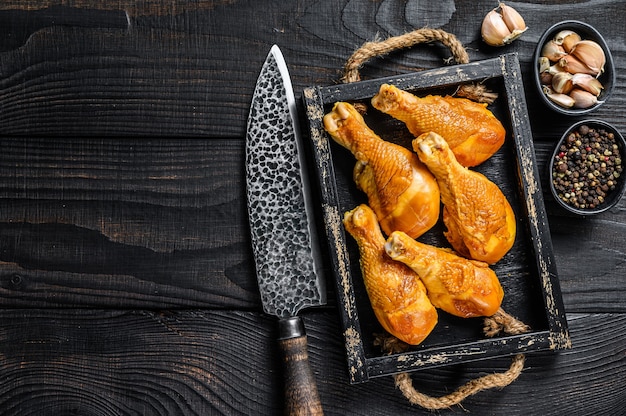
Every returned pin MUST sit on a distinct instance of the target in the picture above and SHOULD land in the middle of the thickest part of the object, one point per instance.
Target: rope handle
(377, 49)
(369, 50)
(405, 384)
(501, 321)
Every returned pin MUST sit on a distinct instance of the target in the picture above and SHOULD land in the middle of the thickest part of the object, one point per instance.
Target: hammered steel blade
(283, 238)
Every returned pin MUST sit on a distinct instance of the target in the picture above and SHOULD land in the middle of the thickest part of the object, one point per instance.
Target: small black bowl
(612, 197)
(607, 78)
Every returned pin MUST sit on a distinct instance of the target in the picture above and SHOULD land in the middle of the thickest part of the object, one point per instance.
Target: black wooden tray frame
(361, 367)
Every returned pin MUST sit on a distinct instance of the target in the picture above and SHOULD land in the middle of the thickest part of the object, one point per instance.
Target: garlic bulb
(494, 30)
(502, 26)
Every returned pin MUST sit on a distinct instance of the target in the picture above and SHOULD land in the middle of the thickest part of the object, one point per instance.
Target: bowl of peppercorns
(586, 169)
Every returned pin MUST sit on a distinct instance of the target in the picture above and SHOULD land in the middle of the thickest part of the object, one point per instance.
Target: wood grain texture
(301, 395)
(191, 363)
(124, 222)
(122, 205)
(188, 65)
(121, 363)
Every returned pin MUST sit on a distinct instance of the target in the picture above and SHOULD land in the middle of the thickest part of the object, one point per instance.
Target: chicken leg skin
(472, 131)
(400, 189)
(480, 221)
(461, 287)
(397, 295)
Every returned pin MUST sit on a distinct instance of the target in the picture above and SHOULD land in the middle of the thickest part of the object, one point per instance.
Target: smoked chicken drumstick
(397, 295)
(461, 287)
(400, 189)
(472, 131)
(480, 221)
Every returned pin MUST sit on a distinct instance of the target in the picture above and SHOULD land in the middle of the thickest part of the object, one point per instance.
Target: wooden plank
(180, 70)
(138, 222)
(190, 362)
(172, 75)
(120, 222)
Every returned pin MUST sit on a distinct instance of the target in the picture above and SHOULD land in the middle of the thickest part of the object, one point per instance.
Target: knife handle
(301, 397)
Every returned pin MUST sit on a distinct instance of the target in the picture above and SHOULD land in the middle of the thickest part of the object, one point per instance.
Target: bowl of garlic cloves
(573, 68)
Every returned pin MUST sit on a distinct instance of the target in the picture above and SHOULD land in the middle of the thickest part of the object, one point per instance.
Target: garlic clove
(552, 51)
(573, 65)
(567, 39)
(562, 82)
(514, 21)
(556, 68)
(545, 78)
(588, 83)
(494, 30)
(544, 64)
(583, 99)
(563, 100)
(591, 54)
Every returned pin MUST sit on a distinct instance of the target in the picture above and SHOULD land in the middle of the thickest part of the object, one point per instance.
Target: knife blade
(284, 240)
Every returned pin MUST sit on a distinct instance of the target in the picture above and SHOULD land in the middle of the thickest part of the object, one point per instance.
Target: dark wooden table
(127, 283)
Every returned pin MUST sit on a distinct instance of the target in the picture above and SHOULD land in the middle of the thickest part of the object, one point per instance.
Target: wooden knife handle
(301, 397)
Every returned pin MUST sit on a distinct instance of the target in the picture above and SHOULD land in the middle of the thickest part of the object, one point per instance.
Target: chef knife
(283, 235)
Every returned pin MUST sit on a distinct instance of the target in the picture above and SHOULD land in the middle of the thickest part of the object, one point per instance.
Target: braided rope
(500, 322)
(369, 50)
(405, 384)
(373, 49)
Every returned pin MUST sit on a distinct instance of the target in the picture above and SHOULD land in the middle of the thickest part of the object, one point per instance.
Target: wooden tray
(527, 273)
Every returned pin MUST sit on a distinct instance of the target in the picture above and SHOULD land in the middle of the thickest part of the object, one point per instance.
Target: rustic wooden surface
(126, 277)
